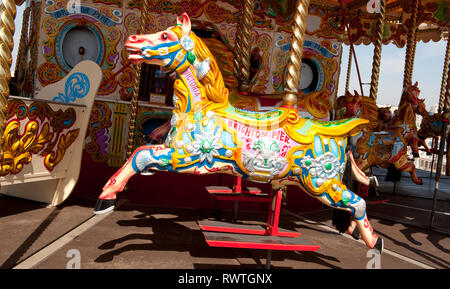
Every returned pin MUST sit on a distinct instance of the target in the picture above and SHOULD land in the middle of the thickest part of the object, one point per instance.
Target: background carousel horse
(405, 118)
(209, 135)
(431, 126)
(389, 146)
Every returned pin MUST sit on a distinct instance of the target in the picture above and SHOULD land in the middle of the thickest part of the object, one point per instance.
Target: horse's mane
(213, 82)
(224, 58)
(369, 109)
(405, 113)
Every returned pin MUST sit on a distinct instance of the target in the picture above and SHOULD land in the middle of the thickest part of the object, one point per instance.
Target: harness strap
(160, 50)
(179, 63)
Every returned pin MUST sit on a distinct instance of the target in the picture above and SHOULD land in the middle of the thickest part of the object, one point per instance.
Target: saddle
(301, 130)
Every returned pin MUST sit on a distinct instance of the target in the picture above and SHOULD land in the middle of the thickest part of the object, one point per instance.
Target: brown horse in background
(384, 140)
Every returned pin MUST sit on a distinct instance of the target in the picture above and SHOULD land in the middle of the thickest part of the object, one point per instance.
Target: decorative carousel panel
(70, 35)
(44, 137)
(98, 136)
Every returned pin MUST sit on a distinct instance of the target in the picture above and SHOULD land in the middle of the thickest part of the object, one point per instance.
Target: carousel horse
(209, 135)
(431, 126)
(405, 118)
(372, 146)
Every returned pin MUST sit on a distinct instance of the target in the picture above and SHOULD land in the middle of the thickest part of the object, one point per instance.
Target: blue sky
(427, 68)
(18, 30)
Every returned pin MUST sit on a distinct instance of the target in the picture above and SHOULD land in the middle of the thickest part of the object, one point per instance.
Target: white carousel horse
(209, 135)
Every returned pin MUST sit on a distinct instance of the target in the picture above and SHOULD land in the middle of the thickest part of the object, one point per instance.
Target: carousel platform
(160, 238)
(405, 187)
(412, 204)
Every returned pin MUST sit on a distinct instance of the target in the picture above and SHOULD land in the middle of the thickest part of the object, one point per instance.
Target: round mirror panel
(80, 44)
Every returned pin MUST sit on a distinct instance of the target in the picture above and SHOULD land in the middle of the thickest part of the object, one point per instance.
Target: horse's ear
(179, 21)
(186, 25)
(417, 83)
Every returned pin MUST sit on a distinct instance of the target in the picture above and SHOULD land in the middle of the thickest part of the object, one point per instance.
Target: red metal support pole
(238, 185)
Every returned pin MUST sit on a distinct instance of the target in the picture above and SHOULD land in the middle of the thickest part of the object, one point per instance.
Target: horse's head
(177, 48)
(171, 48)
(352, 104)
(384, 114)
(411, 95)
(431, 126)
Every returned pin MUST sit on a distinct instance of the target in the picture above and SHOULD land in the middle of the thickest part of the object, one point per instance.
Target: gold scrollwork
(18, 148)
(53, 158)
(43, 130)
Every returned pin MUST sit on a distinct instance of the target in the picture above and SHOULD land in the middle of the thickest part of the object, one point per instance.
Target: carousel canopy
(433, 17)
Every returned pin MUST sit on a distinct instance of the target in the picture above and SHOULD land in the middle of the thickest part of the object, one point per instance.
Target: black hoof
(373, 182)
(379, 245)
(104, 206)
(356, 234)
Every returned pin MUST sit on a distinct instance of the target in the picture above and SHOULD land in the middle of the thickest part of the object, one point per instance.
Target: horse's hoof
(373, 182)
(104, 206)
(379, 245)
(147, 173)
(356, 234)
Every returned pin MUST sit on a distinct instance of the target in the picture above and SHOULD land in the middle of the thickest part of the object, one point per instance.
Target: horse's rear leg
(356, 206)
(142, 159)
(404, 165)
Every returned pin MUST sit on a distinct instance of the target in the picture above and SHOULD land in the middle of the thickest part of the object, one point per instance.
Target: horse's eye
(164, 36)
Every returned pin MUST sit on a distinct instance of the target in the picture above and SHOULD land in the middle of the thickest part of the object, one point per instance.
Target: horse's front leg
(359, 175)
(157, 157)
(424, 144)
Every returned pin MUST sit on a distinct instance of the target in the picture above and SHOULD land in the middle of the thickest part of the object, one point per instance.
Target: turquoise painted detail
(227, 140)
(334, 148)
(186, 138)
(77, 86)
(318, 150)
(398, 146)
(305, 128)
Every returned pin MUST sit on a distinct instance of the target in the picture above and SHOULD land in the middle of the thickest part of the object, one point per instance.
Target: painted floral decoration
(206, 145)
